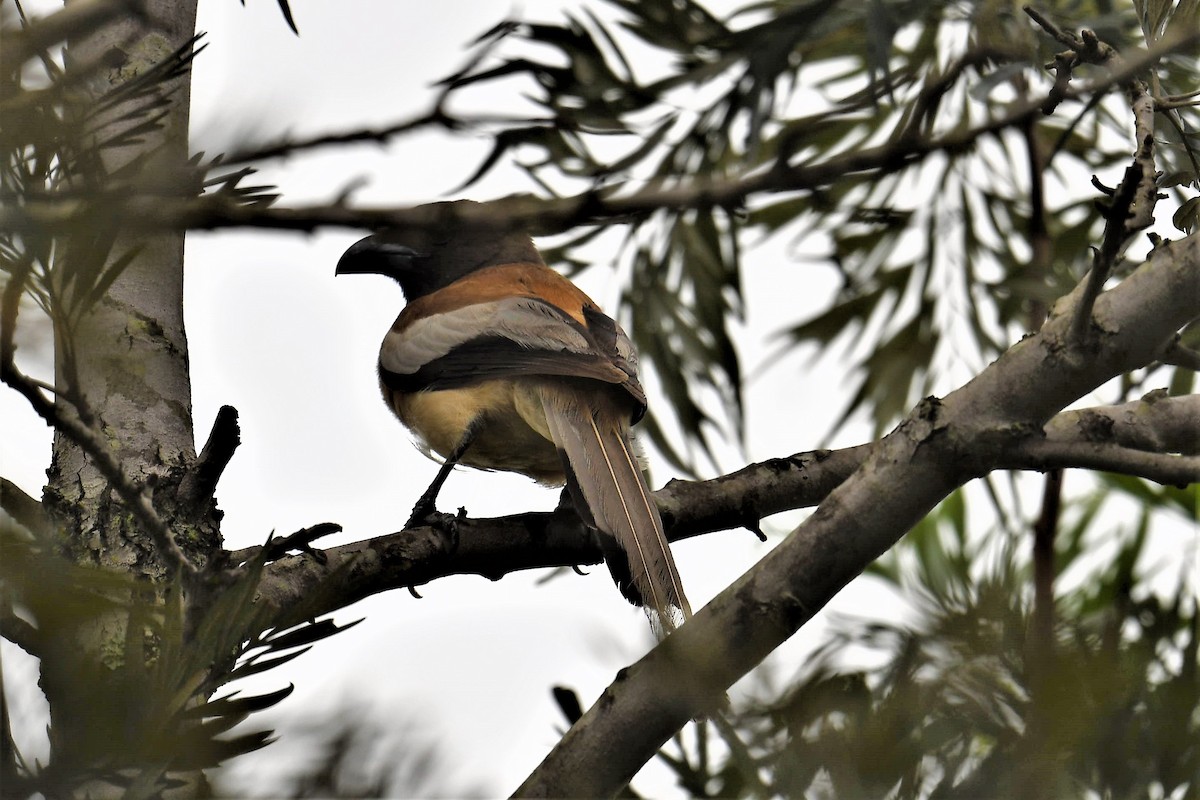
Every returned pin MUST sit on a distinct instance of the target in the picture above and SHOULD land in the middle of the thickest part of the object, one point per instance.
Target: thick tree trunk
(126, 359)
(130, 351)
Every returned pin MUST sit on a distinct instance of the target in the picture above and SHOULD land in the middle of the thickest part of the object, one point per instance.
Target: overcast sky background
(470, 666)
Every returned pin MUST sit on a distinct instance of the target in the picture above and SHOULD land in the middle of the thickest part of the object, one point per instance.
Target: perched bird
(498, 362)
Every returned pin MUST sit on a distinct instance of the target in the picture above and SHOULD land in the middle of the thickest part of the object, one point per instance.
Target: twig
(1180, 355)
(1177, 101)
(27, 511)
(279, 546)
(1164, 468)
(19, 632)
(1117, 212)
(435, 117)
(283, 148)
(1087, 47)
(1083, 49)
(1132, 205)
(545, 217)
(1049, 27)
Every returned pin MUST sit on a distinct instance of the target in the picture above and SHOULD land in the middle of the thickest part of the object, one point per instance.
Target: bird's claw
(440, 521)
(424, 509)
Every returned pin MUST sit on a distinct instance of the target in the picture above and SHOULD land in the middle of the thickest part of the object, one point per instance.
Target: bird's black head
(426, 257)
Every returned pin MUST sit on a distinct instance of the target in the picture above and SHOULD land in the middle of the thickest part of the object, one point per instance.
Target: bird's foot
(440, 521)
(425, 508)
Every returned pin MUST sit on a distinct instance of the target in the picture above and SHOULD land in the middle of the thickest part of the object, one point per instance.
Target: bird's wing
(506, 338)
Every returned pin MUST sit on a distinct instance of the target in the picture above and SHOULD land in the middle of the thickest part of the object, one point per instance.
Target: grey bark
(122, 368)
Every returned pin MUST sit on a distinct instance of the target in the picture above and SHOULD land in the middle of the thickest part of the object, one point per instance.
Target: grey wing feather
(506, 338)
(530, 324)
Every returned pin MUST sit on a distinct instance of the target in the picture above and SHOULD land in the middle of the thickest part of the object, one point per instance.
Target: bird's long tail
(591, 432)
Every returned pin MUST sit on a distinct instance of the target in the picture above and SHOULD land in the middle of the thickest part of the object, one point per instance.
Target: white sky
(273, 334)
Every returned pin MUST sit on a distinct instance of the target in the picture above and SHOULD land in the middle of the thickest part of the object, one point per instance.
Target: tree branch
(1170, 470)
(1135, 438)
(25, 510)
(19, 632)
(545, 217)
(1156, 424)
(941, 445)
(1086, 438)
(1180, 355)
(1132, 203)
(1130, 209)
(495, 547)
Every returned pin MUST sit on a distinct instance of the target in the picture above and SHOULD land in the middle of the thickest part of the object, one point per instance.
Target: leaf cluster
(942, 257)
(153, 689)
(356, 752)
(88, 146)
(58, 139)
(962, 700)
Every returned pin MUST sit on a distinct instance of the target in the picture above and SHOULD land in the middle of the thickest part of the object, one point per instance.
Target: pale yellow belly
(514, 436)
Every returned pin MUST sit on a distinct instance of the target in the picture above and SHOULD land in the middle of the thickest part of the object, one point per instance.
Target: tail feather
(606, 481)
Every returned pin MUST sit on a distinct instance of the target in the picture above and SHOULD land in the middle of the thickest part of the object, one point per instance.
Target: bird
(499, 362)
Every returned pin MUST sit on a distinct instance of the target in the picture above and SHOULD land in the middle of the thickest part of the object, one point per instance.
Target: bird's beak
(370, 256)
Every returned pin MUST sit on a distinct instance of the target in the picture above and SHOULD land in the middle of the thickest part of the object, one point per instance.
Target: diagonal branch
(940, 446)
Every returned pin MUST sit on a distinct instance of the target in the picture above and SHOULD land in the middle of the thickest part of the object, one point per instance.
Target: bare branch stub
(200, 484)
(300, 541)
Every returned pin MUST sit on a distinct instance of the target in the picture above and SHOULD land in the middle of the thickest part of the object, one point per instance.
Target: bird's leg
(426, 506)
